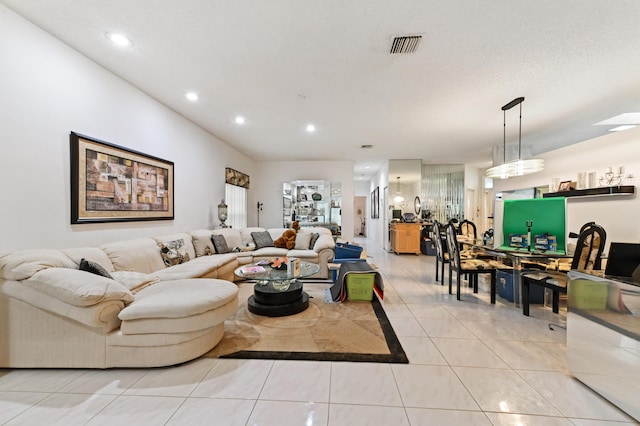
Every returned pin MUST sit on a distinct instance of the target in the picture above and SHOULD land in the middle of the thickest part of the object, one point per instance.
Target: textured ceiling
(286, 63)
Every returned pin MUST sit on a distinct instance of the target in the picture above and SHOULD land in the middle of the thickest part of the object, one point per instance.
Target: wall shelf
(594, 192)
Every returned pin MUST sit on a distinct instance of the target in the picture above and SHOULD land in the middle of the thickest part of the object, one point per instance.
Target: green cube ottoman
(360, 287)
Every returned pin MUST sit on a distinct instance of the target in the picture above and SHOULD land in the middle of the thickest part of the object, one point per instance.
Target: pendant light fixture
(398, 198)
(518, 167)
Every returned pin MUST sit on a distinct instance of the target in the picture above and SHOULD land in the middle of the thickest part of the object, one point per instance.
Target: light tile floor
(470, 363)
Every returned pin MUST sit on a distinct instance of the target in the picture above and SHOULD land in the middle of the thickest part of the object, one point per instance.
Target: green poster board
(547, 214)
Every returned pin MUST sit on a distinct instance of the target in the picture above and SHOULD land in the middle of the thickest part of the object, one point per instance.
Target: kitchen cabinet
(405, 237)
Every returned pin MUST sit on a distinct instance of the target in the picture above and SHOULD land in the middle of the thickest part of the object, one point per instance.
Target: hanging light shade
(517, 167)
(398, 198)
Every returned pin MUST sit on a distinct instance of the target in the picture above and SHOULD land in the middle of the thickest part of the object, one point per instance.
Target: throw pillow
(94, 268)
(173, 252)
(262, 239)
(302, 241)
(202, 244)
(314, 238)
(220, 243)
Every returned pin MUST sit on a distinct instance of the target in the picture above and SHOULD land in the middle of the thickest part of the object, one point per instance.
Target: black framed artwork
(375, 203)
(110, 183)
(564, 186)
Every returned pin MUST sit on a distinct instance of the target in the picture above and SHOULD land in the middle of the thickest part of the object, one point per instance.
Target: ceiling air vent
(405, 44)
(366, 146)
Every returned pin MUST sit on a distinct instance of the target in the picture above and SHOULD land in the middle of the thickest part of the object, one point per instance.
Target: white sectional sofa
(161, 304)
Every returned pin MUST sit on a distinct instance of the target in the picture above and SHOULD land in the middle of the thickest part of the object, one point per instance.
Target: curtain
(236, 199)
(443, 191)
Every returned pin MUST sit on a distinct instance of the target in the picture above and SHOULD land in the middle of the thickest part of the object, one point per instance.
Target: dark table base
(273, 303)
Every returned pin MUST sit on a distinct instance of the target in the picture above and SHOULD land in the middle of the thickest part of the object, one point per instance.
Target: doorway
(360, 216)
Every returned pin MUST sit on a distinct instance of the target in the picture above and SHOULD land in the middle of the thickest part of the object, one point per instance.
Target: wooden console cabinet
(405, 237)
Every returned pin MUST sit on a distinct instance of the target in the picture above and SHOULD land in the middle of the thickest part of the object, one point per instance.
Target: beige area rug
(349, 331)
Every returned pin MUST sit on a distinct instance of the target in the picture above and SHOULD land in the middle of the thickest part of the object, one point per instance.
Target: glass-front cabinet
(312, 203)
(603, 337)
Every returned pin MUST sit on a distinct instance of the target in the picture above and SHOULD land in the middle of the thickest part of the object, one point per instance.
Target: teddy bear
(288, 238)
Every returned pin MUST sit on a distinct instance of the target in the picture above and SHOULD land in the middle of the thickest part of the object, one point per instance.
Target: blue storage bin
(504, 284)
(347, 251)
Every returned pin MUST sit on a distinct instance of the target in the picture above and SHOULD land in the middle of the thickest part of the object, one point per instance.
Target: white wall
(48, 90)
(618, 215)
(378, 228)
(361, 188)
(270, 175)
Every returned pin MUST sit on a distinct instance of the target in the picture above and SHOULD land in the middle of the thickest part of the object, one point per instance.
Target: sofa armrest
(101, 317)
(324, 242)
(78, 288)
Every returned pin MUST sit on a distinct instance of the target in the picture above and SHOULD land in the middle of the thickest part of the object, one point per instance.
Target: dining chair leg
(474, 277)
(450, 283)
(458, 286)
(442, 274)
(493, 287)
(437, 268)
(555, 300)
(525, 297)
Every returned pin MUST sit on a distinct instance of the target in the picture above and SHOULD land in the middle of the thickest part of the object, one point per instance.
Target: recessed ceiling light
(367, 167)
(311, 128)
(239, 120)
(119, 39)
(192, 96)
(621, 128)
(618, 120)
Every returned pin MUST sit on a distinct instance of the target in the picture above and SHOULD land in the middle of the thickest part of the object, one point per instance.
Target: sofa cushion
(148, 329)
(262, 239)
(199, 267)
(277, 232)
(302, 241)
(94, 268)
(186, 239)
(140, 255)
(22, 264)
(174, 252)
(246, 234)
(220, 244)
(318, 230)
(134, 281)
(270, 252)
(93, 254)
(179, 298)
(232, 237)
(202, 244)
(77, 287)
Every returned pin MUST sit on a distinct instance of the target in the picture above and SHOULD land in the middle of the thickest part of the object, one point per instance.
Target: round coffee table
(277, 293)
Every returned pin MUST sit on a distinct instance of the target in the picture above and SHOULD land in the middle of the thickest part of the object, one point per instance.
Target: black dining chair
(587, 257)
(472, 267)
(442, 256)
(467, 229)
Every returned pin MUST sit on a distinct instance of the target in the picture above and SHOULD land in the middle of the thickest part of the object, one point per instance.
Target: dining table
(520, 260)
